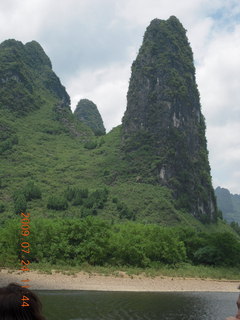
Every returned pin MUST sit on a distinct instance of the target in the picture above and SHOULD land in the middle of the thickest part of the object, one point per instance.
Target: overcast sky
(92, 44)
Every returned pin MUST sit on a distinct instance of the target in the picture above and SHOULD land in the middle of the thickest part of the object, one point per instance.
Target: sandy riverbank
(84, 281)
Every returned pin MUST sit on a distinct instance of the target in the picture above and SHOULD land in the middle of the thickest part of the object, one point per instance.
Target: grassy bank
(183, 271)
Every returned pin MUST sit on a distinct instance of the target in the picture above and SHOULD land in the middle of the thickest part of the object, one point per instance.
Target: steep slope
(36, 123)
(163, 130)
(25, 71)
(87, 112)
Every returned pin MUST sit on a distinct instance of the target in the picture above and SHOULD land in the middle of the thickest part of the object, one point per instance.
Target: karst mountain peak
(87, 112)
(163, 121)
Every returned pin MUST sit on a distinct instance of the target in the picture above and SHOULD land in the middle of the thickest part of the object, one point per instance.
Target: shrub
(139, 245)
(76, 194)
(208, 255)
(235, 226)
(79, 196)
(124, 212)
(57, 203)
(90, 145)
(96, 200)
(86, 212)
(2, 207)
(20, 202)
(218, 248)
(31, 191)
(115, 200)
(8, 143)
(70, 193)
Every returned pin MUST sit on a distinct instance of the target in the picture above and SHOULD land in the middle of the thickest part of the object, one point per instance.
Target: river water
(93, 305)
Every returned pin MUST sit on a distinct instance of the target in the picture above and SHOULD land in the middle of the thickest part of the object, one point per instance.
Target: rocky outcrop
(87, 112)
(163, 129)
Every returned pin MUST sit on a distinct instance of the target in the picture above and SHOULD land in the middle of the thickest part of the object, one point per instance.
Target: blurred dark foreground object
(238, 313)
(11, 304)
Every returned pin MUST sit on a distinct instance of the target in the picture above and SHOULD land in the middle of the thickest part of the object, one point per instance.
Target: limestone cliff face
(87, 112)
(163, 128)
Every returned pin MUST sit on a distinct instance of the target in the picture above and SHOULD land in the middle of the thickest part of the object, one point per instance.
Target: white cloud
(219, 83)
(106, 87)
(224, 146)
(21, 20)
(218, 78)
(141, 12)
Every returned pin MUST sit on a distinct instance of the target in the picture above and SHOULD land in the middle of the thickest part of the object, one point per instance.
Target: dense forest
(98, 242)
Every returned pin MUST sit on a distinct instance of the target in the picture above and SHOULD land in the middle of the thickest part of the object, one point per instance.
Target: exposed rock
(163, 128)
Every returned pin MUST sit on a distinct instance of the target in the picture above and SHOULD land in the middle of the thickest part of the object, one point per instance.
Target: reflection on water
(92, 305)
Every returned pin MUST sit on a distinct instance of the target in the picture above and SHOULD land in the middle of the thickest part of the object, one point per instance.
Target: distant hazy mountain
(229, 204)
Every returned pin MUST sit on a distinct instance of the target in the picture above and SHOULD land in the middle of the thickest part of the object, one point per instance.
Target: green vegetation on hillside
(77, 169)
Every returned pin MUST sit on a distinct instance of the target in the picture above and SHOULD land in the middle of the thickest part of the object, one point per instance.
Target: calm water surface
(93, 305)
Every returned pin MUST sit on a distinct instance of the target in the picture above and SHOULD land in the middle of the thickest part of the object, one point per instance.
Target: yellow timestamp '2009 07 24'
(25, 250)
